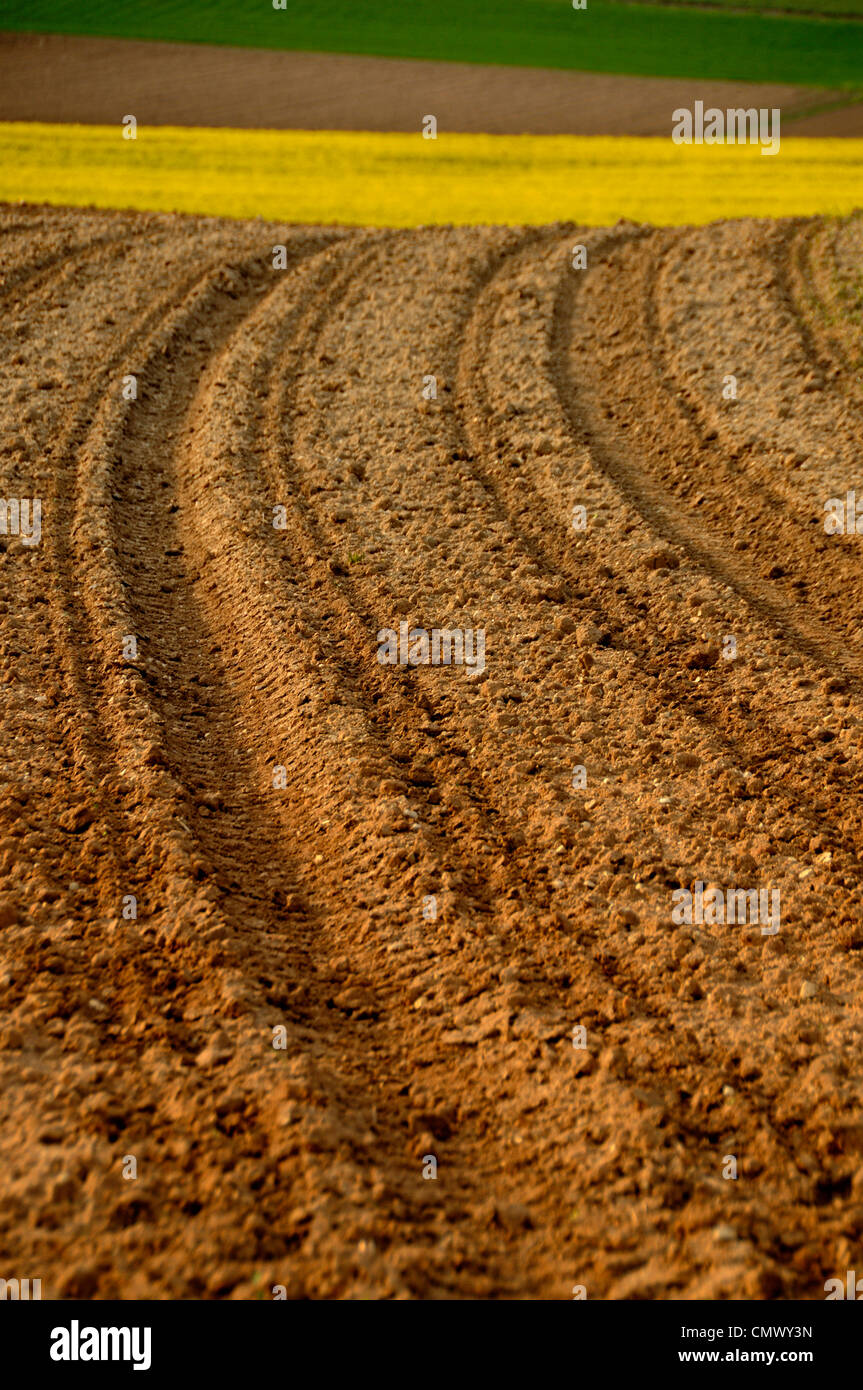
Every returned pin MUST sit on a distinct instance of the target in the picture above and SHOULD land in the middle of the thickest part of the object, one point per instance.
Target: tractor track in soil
(281, 805)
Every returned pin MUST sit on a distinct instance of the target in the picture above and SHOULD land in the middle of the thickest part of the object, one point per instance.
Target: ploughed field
(396, 872)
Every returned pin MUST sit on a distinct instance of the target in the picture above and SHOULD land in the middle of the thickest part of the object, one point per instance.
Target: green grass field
(834, 9)
(641, 39)
(402, 180)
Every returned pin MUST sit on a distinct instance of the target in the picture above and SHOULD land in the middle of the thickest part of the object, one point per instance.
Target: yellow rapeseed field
(404, 180)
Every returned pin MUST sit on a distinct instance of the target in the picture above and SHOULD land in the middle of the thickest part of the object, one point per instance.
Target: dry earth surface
(98, 81)
(301, 907)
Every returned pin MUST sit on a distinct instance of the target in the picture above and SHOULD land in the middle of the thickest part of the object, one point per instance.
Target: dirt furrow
(782, 728)
(225, 823)
(187, 682)
(360, 690)
(543, 430)
(175, 413)
(310, 442)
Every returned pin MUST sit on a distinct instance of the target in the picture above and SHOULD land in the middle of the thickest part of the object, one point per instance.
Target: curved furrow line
(73, 623)
(772, 741)
(282, 683)
(387, 869)
(227, 550)
(362, 605)
(547, 480)
(38, 279)
(709, 435)
(778, 738)
(587, 972)
(354, 842)
(252, 987)
(234, 657)
(72, 644)
(144, 851)
(774, 1155)
(173, 1002)
(344, 583)
(531, 493)
(819, 295)
(217, 289)
(826, 587)
(658, 509)
(474, 390)
(490, 817)
(477, 362)
(674, 524)
(777, 507)
(486, 849)
(311, 544)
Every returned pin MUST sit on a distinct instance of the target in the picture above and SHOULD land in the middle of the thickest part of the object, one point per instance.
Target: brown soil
(302, 907)
(56, 78)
